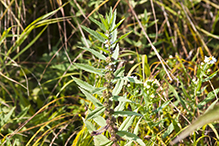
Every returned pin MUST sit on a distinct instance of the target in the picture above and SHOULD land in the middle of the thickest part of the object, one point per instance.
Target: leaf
(104, 22)
(125, 113)
(211, 116)
(130, 136)
(133, 80)
(137, 127)
(126, 123)
(98, 90)
(91, 98)
(168, 131)
(119, 72)
(104, 50)
(89, 68)
(117, 25)
(161, 107)
(83, 84)
(120, 106)
(94, 34)
(100, 121)
(103, 35)
(116, 52)
(22, 113)
(6, 118)
(209, 97)
(122, 37)
(98, 23)
(117, 89)
(177, 96)
(210, 77)
(96, 112)
(99, 140)
(95, 53)
(4, 35)
(121, 99)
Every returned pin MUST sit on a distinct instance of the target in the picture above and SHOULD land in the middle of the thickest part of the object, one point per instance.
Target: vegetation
(109, 72)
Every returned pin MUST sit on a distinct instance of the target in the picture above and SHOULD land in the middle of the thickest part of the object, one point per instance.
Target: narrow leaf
(103, 35)
(126, 113)
(83, 84)
(209, 97)
(118, 87)
(126, 123)
(89, 68)
(96, 112)
(91, 98)
(117, 25)
(98, 23)
(104, 22)
(122, 37)
(4, 35)
(130, 136)
(94, 34)
(95, 53)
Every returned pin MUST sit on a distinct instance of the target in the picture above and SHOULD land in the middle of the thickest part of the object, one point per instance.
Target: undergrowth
(109, 72)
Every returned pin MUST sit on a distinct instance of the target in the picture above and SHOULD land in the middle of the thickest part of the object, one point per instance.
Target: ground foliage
(51, 55)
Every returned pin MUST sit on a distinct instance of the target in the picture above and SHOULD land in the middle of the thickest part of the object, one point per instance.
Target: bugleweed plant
(107, 97)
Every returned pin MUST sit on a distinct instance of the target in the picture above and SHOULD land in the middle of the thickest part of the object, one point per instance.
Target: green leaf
(98, 23)
(7, 117)
(122, 37)
(120, 106)
(113, 21)
(121, 99)
(126, 113)
(100, 121)
(95, 53)
(133, 80)
(83, 84)
(4, 35)
(117, 25)
(212, 105)
(130, 136)
(94, 34)
(103, 35)
(211, 116)
(104, 22)
(104, 50)
(22, 114)
(91, 98)
(119, 72)
(89, 68)
(172, 90)
(137, 127)
(99, 140)
(209, 97)
(168, 131)
(96, 112)
(161, 107)
(117, 89)
(210, 77)
(116, 52)
(126, 123)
